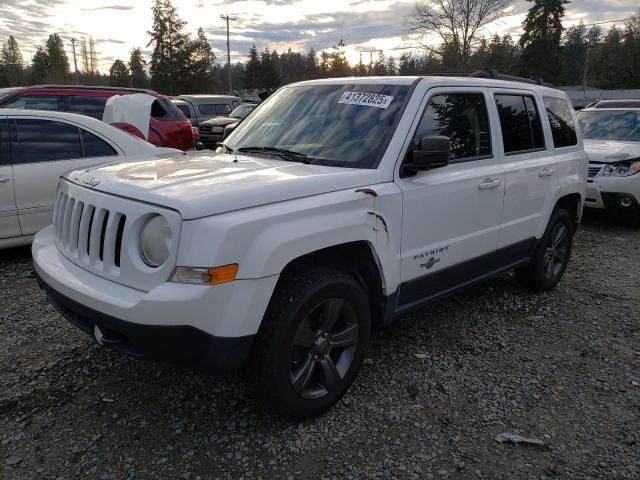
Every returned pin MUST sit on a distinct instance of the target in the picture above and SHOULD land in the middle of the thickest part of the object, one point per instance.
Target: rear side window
(96, 147)
(44, 141)
(520, 123)
(214, 109)
(164, 110)
(90, 106)
(463, 118)
(185, 110)
(34, 102)
(563, 127)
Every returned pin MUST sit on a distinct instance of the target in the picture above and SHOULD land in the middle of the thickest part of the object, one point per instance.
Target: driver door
(451, 214)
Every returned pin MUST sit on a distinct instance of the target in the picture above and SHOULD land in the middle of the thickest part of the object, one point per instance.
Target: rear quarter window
(563, 128)
(520, 123)
(163, 110)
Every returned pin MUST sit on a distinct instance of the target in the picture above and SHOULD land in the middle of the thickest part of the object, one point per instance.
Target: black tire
(551, 256)
(290, 345)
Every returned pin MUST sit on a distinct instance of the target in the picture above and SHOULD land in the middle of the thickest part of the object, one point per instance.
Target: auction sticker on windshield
(366, 99)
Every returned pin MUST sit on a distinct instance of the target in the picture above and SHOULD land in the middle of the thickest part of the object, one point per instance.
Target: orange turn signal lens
(224, 274)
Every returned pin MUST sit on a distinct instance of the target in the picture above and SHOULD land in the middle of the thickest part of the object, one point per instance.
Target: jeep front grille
(90, 234)
(100, 233)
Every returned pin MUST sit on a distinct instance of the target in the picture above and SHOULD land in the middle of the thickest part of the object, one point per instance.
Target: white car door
(43, 150)
(451, 215)
(530, 167)
(9, 226)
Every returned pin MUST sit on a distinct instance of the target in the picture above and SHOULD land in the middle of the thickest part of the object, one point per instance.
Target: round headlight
(155, 241)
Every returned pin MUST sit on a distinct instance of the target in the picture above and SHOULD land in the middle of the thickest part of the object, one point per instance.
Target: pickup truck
(334, 208)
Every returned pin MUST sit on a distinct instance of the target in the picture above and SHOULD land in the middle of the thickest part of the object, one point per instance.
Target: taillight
(188, 128)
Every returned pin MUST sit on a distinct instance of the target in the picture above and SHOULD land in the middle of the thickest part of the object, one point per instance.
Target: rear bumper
(183, 344)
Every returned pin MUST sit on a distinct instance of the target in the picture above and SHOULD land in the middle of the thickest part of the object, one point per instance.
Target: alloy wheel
(555, 255)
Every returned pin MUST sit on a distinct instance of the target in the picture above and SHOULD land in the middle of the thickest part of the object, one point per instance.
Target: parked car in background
(212, 131)
(337, 206)
(611, 131)
(199, 108)
(37, 148)
(168, 126)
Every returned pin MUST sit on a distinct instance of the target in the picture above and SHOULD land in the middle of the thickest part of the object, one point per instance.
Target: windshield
(610, 125)
(241, 111)
(334, 125)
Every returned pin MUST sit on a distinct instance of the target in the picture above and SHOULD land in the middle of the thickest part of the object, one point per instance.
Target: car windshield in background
(241, 111)
(610, 125)
(334, 125)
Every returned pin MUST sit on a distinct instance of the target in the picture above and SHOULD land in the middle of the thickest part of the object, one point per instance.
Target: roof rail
(95, 87)
(487, 72)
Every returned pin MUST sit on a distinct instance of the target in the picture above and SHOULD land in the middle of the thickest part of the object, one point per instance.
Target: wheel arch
(358, 259)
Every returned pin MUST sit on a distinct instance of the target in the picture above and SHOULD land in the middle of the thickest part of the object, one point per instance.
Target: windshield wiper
(289, 155)
(227, 148)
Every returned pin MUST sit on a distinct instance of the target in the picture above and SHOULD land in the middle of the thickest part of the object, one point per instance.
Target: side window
(463, 118)
(35, 102)
(164, 110)
(520, 123)
(563, 128)
(96, 147)
(185, 109)
(214, 109)
(44, 141)
(90, 106)
(4, 143)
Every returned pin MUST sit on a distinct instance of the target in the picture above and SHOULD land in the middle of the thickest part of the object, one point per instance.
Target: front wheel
(311, 344)
(552, 254)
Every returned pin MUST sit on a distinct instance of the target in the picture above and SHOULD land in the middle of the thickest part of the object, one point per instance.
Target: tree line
(181, 63)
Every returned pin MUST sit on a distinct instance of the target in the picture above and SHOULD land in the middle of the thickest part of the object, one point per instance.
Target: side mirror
(228, 129)
(434, 152)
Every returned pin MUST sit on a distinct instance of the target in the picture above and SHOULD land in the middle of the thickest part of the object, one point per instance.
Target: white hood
(611, 151)
(199, 186)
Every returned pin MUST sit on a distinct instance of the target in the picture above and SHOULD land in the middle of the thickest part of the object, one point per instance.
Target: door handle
(4, 179)
(546, 172)
(489, 183)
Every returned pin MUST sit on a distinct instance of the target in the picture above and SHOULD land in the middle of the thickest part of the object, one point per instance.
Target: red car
(168, 127)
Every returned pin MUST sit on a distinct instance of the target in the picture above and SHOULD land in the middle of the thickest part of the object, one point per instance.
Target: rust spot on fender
(384, 223)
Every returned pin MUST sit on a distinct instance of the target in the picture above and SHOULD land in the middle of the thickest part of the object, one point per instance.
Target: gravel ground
(437, 388)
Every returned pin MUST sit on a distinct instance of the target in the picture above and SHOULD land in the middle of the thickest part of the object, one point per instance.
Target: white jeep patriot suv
(337, 206)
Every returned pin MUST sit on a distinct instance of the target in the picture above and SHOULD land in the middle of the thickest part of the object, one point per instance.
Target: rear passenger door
(42, 151)
(530, 167)
(9, 226)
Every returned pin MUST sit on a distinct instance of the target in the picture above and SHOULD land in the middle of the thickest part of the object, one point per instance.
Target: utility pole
(586, 69)
(75, 61)
(229, 19)
(370, 52)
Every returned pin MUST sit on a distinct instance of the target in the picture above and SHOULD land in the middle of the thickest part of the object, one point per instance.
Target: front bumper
(211, 139)
(183, 344)
(213, 324)
(620, 195)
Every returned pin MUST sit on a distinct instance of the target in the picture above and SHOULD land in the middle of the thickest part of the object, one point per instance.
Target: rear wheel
(311, 344)
(552, 254)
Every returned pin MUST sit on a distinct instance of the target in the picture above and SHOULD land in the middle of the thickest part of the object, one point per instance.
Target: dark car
(212, 131)
(168, 126)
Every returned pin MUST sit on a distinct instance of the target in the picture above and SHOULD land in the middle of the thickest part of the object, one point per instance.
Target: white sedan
(37, 148)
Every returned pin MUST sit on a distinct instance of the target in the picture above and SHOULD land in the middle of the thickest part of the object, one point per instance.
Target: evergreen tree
(607, 63)
(339, 64)
(253, 69)
(57, 60)
(574, 54)
(407, 65)
(311, 65)
(324, 65)
(137, 67)
(12, 63)
(39, 66)
(118, 74)
(540, 41)
(360, 69)
(201, 63)
(631, 61)
(171, 48)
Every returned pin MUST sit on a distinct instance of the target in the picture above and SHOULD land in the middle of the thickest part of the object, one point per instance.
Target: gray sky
(119, 25)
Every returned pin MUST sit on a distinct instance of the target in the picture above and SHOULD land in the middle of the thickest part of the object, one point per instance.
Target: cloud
(109, 7)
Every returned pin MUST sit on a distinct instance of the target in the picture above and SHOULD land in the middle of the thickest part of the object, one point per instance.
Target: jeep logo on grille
(90, 182)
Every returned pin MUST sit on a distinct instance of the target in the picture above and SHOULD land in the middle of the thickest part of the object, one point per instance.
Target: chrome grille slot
(94, 230)
(594, 170)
